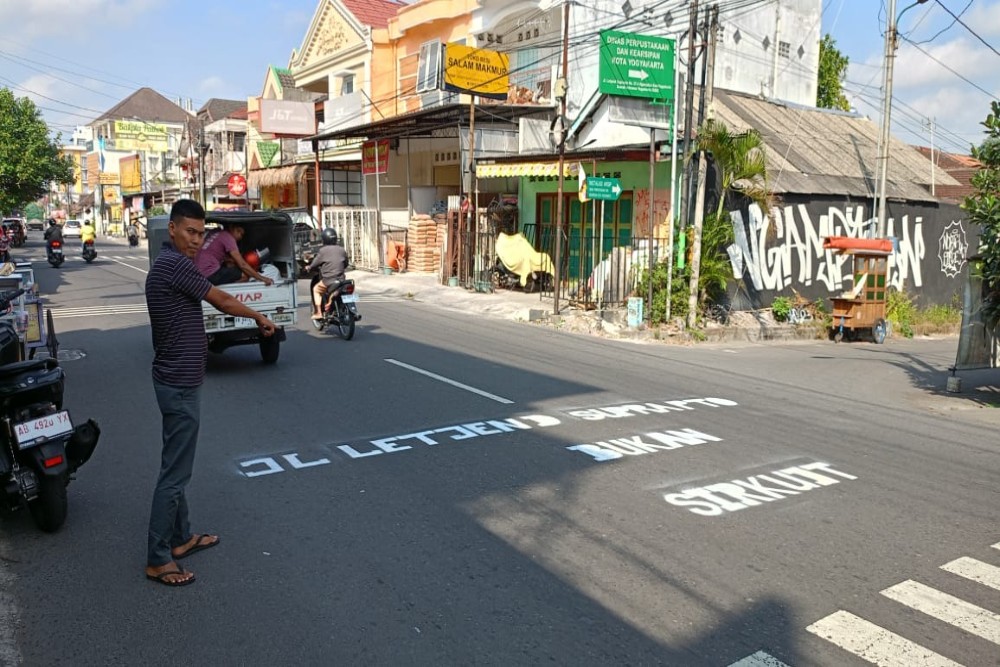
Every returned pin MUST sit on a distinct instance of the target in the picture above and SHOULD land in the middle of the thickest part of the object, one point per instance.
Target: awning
(263, 178)
(525, 169)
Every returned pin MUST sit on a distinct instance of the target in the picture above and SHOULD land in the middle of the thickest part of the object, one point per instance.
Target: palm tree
(740, 162)
(741, 165)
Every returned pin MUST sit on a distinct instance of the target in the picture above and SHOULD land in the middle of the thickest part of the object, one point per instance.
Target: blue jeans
(168, 520)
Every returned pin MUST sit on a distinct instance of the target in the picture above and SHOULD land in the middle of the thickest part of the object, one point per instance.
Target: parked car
(72, 228)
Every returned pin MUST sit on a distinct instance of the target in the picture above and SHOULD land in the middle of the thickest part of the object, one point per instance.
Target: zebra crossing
(881, 646)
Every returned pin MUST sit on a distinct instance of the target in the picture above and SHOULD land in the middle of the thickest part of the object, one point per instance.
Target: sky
(78, 58)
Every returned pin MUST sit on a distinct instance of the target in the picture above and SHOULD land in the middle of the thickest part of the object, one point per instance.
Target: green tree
(832, 70)
(741, 169)
(29, 158)
(984, 210)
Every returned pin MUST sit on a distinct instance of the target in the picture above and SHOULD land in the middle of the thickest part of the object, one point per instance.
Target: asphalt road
(452, 490)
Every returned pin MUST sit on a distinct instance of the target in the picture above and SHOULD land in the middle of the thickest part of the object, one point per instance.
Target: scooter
(89, 251)
(54, 253)
(40, 448)
(133, 238)
(339, 307)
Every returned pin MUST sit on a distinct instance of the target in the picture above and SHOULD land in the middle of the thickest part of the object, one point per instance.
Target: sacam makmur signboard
(477, 71)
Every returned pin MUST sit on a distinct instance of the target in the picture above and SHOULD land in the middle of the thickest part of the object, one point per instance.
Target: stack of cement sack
(423, 240)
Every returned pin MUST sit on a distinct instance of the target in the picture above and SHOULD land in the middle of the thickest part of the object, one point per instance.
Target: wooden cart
(861, 311)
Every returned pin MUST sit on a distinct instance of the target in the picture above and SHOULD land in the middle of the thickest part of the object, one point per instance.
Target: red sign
(237, 185)
(375, 157)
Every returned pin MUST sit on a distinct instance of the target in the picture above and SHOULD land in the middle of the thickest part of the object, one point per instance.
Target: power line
(974, 85)
(945, 29)
(974, 33)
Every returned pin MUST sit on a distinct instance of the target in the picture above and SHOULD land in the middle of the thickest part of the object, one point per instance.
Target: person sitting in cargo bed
(220, 261)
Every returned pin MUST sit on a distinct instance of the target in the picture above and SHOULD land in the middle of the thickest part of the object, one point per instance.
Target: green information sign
(636, 65)
(603, 189)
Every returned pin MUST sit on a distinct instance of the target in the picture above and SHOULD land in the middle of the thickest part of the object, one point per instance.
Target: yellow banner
(131, 174)
(524, 169)
(108, 178)
(136, 135)
(472, 70)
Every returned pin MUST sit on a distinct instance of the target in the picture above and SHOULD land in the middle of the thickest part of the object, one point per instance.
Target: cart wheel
(878, 331)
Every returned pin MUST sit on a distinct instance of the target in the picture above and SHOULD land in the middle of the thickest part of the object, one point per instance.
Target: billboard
(130, 169)
(137, 135)
(287, 118)
(478, 71)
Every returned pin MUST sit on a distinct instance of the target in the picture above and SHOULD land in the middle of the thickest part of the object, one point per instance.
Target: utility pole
(688, 119)
(890, 56)
(774, 61)
(712, 28)
(201, 162)
(891, 42)
(931, 122)
(561, 91)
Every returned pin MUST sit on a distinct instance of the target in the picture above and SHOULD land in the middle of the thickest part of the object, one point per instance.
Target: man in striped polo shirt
(174, 292)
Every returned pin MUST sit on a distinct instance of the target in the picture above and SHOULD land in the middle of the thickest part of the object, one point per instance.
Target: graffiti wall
(777, 253)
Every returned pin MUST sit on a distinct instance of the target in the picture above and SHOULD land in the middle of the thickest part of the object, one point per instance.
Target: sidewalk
(533, 308)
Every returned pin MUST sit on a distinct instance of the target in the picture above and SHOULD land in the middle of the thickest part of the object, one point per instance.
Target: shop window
(340, 187)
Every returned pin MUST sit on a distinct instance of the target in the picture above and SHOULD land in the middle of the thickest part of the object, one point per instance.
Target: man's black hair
(186, 208)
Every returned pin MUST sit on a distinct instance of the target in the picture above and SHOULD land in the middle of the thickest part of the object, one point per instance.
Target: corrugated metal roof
(817, 151)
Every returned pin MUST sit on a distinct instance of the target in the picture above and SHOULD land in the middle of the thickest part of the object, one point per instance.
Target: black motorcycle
(40, 448)
(339, 308)
(89, 251)
(54, 253)
(133, 237)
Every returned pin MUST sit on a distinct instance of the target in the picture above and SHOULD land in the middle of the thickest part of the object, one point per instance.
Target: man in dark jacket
(331, 260)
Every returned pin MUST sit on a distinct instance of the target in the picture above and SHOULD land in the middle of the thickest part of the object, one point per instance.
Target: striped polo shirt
(174, 292)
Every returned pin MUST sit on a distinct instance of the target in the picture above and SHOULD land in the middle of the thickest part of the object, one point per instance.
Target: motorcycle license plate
(349, 298)
(30, 433)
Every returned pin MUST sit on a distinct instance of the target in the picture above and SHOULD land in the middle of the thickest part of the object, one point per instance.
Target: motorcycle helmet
(257, 258)
(330, 236)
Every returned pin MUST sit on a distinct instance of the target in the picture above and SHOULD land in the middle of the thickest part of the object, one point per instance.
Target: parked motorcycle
(133, 237)
(89, 251)
(339, 308)
(40, 448)
(54, 253)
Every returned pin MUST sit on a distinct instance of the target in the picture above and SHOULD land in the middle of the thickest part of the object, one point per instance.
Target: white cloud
(26, 20)
(914, 69)
(984, 18)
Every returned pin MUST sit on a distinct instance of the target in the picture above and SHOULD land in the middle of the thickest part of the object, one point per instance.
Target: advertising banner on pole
(375, 157)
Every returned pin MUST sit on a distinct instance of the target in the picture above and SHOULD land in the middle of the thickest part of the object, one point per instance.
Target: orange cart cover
(849, 243)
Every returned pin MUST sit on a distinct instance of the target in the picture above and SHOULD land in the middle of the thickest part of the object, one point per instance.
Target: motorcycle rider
(331, 260)
(53, 233)
(133, 234)
(87, 233)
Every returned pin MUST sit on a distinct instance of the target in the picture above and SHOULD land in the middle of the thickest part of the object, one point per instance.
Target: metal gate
(358, 229)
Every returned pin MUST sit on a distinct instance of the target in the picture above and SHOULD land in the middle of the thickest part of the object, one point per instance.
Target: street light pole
(891, 43)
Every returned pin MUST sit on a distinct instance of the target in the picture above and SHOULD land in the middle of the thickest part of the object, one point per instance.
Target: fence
(596, 271)
(358, 229)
